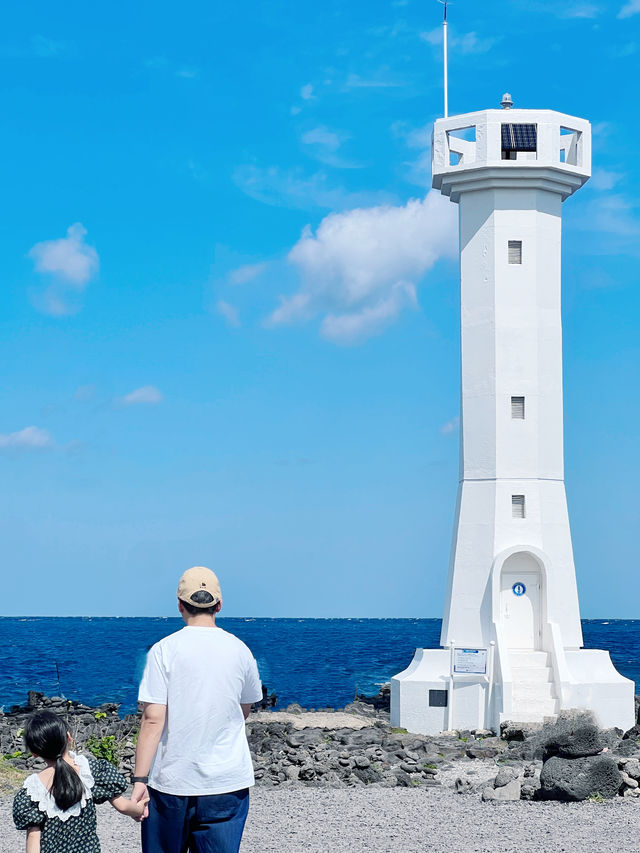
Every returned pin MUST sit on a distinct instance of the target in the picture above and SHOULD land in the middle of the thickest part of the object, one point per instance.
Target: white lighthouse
(511, 635)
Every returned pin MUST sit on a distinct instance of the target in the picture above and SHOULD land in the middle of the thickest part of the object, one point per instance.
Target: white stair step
(530, 673)
(523, 691)
(533, 711)
(524, 658)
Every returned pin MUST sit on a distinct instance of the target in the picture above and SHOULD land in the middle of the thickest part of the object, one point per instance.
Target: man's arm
(151, 726)
(246, 709)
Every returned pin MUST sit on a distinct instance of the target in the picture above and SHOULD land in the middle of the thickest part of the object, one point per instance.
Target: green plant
(596, 797)
(20, 733)
(105, 747)
(17, 754)
(10, 777)
(397, 731)
(99, 715)
(430, 767)
(416, 782)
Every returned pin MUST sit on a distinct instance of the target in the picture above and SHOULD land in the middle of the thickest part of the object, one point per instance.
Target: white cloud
(361, 267)
(604, 180)
(355, 81)
(68, 259)
(248, 272)
(356, 326)
(450, 426)
(629, 9)
(147, 395)
(468, 43)
(71, 264)
(324, 137)
(324, 145)
(613, 214)
(306, 92)
(85, 393)
(229, 312)
(293, 188)
(418, 170)
(580, 10)
(29, 438)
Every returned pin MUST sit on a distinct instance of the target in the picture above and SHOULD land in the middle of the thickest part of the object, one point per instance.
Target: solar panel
(519, 137)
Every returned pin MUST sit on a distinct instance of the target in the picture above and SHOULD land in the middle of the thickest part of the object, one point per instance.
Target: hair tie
(60, 756)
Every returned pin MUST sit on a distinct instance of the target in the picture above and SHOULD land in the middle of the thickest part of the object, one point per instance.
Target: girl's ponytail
(66, 787)
(46, 735)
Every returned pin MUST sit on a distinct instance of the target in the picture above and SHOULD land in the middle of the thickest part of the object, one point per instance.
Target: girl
(57, 805)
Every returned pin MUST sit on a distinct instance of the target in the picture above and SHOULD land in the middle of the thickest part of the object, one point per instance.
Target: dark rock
(480, 751)
(505, 775)
(575, 779)
(580, 742)
(633, 733)
(633, 769)
(463, 786)
(628, 748)
(361, 708)
(530, 790)
(368, 775)
(380, 702)
(403, 779)
(304, 737)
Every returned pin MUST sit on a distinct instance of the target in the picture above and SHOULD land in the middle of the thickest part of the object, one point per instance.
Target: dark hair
(200, 596)
(45, 734)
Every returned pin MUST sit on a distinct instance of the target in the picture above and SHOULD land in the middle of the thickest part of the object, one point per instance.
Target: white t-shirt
(202, 675)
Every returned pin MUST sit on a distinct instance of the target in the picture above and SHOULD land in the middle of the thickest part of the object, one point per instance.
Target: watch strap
(144, 779)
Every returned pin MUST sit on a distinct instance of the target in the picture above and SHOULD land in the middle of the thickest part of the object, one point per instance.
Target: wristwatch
(144, 779)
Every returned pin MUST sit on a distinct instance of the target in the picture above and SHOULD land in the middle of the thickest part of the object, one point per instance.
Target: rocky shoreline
(569, 759)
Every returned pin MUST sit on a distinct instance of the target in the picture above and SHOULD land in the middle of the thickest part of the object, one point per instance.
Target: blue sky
(229, 319)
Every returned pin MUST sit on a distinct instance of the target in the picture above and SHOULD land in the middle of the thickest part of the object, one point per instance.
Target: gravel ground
(307, 820)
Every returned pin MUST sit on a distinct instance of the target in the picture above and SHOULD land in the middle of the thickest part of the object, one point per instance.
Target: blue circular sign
(519, 588)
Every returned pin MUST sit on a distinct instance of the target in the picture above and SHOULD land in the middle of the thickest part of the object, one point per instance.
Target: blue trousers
(206, 824)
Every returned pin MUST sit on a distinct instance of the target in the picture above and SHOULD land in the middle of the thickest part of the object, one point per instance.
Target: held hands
(139, 802)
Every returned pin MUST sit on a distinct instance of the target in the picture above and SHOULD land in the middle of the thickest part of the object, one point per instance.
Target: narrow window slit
(515, 251)
(517, 506)
(517, 408)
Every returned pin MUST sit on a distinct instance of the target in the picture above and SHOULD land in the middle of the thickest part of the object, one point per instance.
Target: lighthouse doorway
(520, 602)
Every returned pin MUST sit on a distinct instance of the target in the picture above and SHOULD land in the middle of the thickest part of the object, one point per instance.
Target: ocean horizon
(317, 662)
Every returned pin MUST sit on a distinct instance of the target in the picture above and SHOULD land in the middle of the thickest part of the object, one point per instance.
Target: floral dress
(73, 830)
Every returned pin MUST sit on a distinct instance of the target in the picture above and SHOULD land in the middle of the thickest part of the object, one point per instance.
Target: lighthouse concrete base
(427, 699)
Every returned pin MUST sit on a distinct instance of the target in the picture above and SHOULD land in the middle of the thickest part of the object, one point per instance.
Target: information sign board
(470, 661)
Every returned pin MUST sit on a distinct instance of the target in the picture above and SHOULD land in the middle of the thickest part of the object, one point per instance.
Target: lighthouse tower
(511, 635)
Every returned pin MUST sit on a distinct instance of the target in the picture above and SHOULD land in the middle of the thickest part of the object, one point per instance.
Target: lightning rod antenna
(445, 3)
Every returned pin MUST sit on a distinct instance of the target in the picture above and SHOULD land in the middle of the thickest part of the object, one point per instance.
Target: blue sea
(316, 662)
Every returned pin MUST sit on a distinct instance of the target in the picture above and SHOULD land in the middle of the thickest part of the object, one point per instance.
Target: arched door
(520, 602)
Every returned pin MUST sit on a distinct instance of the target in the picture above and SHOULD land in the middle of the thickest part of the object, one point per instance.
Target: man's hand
(140, 795)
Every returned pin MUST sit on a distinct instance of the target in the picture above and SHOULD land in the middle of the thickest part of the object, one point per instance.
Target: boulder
(628, 748)
(530, 790)
(505, 775)
(575, 779)
(579, 742)
(463, 786)
(504, 794)
(632, 767)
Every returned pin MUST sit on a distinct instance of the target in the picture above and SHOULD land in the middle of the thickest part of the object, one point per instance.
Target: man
(197, 690)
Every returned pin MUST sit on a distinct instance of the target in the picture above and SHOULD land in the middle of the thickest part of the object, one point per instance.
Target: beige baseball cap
(197, 579)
